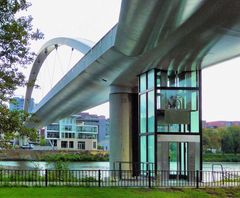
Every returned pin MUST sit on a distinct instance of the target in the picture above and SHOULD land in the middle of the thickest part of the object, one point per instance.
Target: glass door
(178, 160)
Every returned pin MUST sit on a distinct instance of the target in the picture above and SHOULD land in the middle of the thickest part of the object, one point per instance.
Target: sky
(91, 20)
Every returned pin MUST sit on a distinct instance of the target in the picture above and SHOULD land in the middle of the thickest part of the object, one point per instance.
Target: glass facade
(177, 98)
(150, 112)
(143, 113)
(169, 105)
(147, 119)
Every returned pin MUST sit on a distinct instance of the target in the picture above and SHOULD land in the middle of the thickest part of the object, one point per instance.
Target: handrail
(222, 170)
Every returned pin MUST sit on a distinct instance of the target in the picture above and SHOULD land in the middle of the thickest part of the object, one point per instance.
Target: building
(72, 134)
(218, 124)
(170, 126)
(81, 126)
(18, 104)
(103, 127)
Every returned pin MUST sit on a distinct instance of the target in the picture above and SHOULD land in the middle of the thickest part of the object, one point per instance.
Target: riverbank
(219, 157)
(87, 156)
(37, 155)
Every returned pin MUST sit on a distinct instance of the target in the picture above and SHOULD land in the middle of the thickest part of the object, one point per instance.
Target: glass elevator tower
(170, 121)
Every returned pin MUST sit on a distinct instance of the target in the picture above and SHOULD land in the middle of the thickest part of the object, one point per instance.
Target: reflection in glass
(174, 79)
(173, 156)
(177, 99)
(143, 82)
(143, 113)
(143, 156)
(151, 111)
(195, 122)
(151, 149)
(150, 79)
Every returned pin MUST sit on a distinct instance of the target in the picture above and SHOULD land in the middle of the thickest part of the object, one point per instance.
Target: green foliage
(42, 141)
(16, 32)
(61, 165)
(18, 176)
(99, 147)
(172, 151)
(220, 157)
(231, 139)
(225, 140)
(211, 139)
(88, 179)
(81, 156)
(12, 125)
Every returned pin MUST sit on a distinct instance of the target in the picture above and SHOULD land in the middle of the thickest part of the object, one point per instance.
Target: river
(207, 166)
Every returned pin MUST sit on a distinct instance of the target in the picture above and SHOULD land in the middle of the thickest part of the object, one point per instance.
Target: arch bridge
(148, 67)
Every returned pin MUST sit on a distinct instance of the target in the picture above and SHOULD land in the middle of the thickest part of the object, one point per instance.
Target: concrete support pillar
(120, 126)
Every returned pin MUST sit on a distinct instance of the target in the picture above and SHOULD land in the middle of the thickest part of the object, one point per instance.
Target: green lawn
(72, 192)
(219, 157)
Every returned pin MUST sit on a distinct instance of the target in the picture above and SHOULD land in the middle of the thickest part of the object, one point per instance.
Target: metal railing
(119, 178)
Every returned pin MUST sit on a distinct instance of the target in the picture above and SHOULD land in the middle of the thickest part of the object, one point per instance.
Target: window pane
(143, 113)
(151, 151)
(64, 144)
(174, 79)
(143, 152)
(150, 79)
(71, 145)
(151, 111)
(173, 156)
(195, 122)
(177, 99)
(188, 79)
(142, 82)
(177, 110)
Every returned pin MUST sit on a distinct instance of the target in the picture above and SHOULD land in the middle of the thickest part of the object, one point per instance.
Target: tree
(234, 133)
(231, 139)
(16, 32)
(227, 142)
(211, 139)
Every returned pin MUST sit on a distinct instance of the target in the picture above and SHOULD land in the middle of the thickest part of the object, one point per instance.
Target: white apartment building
(72, 134)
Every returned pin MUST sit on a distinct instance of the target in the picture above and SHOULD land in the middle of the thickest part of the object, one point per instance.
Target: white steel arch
(81, 45)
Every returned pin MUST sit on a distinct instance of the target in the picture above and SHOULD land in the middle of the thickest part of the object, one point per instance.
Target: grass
(219, 157)
(74, 192)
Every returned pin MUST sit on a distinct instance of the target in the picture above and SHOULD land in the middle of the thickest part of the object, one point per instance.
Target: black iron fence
(119, 178)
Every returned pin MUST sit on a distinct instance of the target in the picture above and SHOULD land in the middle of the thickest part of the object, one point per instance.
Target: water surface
(207, 166)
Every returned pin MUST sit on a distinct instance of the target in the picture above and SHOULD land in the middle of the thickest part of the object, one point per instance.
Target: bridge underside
(165, 34)
(149, 67)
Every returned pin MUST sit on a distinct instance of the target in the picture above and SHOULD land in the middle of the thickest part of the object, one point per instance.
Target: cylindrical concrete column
(120, 127)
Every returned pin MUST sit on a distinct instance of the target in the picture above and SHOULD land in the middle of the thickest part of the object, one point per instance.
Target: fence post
(223, 178)
(46, 177)
(197, 182)
(99, 178)
(120, 170)
(149, 179)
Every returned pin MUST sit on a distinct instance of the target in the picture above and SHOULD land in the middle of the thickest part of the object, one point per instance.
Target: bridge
(166, 41)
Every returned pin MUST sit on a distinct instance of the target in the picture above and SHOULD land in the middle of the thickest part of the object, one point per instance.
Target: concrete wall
(88, 144)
